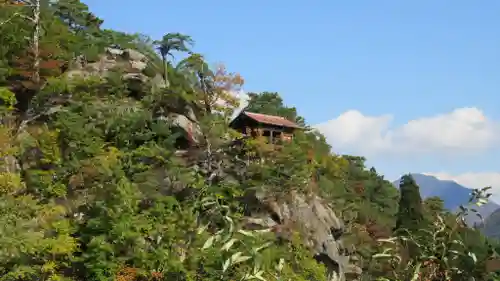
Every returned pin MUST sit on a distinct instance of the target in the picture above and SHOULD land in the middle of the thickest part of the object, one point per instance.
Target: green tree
(172, 42)
(271, 103)
(410, 213)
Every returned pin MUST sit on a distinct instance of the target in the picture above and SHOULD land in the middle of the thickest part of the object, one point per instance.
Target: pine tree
(410, 214)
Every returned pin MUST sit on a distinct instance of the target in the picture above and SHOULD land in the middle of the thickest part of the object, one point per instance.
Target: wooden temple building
(276, 128)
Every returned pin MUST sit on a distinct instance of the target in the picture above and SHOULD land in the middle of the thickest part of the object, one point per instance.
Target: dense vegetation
(91, 187)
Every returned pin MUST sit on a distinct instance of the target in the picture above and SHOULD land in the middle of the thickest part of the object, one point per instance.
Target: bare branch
(10, 19)
(27, 18)
(17, 14)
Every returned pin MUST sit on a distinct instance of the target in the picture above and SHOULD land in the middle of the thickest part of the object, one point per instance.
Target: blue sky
(385, 62)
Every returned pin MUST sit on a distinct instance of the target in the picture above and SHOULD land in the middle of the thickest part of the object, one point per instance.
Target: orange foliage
(49, 66)
(377, 231)
(131, 274)
(157, 275)
(126, 274)
(227, 81)
(359, 187)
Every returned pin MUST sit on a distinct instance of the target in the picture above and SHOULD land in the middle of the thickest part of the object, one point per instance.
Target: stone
(135, 76)
(138, 65)
(9, 164)
(114, 51)
(134, 55)
(318, 223)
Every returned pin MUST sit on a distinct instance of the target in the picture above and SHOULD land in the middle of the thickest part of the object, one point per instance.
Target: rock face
(131, 62)
(133, 66)
(317, 222)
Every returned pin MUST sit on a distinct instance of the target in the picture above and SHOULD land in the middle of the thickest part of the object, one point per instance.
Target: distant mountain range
(453, 195)
(491, 226)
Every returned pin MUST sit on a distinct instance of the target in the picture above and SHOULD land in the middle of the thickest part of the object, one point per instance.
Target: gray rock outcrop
(318, 224)
(131, 62)
(132, 65)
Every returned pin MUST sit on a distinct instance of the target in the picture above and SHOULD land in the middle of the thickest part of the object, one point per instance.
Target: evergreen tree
(410, 214)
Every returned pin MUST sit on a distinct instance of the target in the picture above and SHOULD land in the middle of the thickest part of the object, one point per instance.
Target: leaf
(237, 258)
(246, 233)
(226, 264)
(455, 252)
(473, 256)
(208, 243)
(263, 230)
(205, 204)
(228, 244)
(457, 242)
(231, 223)
(202, 229)
(389, 240)
(265, 245)
(236, 255)
(281, 264)
(416, 273)
(378, 256)
(481, 202)
(258, 275)
(230, 220)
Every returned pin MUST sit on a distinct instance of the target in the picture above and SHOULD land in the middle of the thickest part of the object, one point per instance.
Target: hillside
(118, 163)
(491, 225)
(452, 194)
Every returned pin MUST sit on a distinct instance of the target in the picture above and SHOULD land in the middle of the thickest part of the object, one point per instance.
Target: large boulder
(131, 62)
(316, 221)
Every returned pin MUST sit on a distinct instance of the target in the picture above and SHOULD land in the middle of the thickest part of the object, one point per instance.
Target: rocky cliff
(310, 216)
(316, 222)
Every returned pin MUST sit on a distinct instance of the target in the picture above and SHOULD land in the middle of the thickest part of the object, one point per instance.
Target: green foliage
(445, 250)
(7, 101)
(272, 103)
(92, 185)
(410, 214)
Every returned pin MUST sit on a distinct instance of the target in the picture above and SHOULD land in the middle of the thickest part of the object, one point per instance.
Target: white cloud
(462, 130)
(475, 180)
(242, 98)
(352, 129)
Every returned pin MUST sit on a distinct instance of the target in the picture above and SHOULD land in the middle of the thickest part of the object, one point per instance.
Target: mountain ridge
(452, 193)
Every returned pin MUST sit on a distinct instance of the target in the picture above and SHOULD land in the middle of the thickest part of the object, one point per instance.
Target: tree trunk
(165, 69)
(206, 100)
(36, 42)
